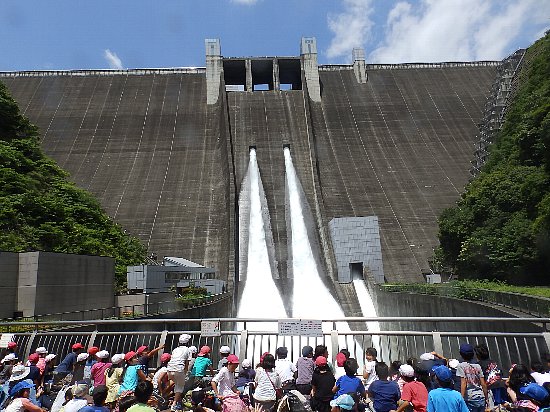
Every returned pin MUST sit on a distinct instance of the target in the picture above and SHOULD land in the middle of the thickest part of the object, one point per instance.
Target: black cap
(282, 351)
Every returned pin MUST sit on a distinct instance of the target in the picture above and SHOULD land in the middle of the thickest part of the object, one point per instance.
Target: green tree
(41, 210)
(500, 228)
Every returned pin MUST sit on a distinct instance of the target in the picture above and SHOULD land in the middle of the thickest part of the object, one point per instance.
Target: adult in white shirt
(285, 368)
(177, 369)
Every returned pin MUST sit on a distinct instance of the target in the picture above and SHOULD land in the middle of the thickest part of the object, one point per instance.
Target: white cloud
(245, 2)
(351, 28)
(450, 30)
(113, 60)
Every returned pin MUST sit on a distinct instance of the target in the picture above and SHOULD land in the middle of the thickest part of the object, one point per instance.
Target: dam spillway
(167, 164)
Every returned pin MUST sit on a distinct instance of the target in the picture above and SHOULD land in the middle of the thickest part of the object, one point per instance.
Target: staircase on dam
(166, 157)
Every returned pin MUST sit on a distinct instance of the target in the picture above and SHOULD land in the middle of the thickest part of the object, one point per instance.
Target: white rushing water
(260, 297)
(368, 309)
(311, 298)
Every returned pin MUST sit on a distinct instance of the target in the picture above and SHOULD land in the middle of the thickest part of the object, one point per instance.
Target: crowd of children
(95, 381)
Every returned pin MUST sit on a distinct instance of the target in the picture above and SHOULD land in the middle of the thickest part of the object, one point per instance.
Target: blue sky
(78, 34)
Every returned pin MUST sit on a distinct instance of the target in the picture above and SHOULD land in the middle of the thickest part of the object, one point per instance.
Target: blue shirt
(385, 395)
(66, 364)
(349, 384)
(200, 365)
(445, 400)
(94, 408)
(34, 374)
(130, 379)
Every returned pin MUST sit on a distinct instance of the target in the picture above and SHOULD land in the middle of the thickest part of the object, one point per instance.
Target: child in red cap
(198, 371)
(224, 387)
(162, 387)
(34, 374)
(322, 383)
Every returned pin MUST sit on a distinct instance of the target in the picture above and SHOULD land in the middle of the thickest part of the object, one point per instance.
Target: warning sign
(6, 338)
(302, 327)
(210, 328)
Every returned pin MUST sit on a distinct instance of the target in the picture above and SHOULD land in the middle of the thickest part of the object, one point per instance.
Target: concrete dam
(379, 150)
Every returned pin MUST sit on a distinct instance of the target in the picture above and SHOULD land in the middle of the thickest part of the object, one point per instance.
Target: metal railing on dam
(104, 72)
(123, 312)
(249, 338)
(533, 305)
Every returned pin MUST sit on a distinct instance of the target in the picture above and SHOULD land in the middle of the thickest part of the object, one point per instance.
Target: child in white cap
(49, 368)
(97, 372)
(7, 364)
(41, 364)
(78, 369)
(177, 369)
(113, 376)
(224, 353)
(246, 375)
(414, 393)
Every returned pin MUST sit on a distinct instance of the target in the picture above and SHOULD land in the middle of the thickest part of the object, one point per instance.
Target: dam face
(165, 150)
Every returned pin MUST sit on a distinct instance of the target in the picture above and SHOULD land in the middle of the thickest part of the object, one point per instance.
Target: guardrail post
(334, 345)
(546, 336)
(92, 338)
(438, 344)
(29, 343)
(161, 343)
(244, 342)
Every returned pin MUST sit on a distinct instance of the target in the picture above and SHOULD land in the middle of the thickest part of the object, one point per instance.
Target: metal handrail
(263, 320)
(246, 342)
(147, 310)
(538, 306)
(103, 72)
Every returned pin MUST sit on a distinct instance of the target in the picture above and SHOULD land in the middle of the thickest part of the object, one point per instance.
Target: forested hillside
(500, 229)
(40, 209)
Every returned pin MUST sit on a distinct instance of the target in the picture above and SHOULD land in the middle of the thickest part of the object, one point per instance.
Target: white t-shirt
(285, 368)
(156, 376)
(75, 404)
(177, 361)
(225, 381)
(339, 371)
(370, 369)
(15, 406)
(266, 385)
(541, 378)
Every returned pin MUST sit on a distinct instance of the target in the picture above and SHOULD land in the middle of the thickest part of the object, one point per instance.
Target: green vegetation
(191, 293)
(468, 289)
(41, 210)
(500, 228)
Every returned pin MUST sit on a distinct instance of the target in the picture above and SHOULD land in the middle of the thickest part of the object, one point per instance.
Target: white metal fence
(249, 338)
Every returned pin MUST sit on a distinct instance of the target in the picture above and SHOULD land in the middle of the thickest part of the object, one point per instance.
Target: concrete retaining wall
(410, 304)
(9, 268)
(41, 283)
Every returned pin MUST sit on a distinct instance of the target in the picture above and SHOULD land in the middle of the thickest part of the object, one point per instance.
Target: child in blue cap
(444, 398)
(472, 382)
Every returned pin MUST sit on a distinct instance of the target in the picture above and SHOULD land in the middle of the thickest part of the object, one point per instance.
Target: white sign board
(312, 328)
(302, 327)
(289, 327)
(6, 338)
(210, 328)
